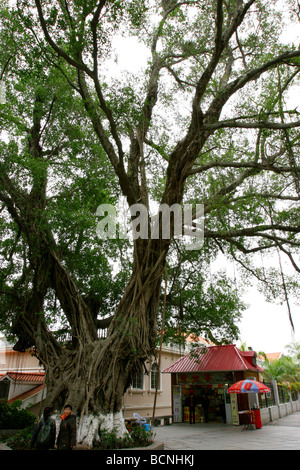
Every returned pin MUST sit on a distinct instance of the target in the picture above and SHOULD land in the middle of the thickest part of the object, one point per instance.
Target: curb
(156, 445)
(4, 446)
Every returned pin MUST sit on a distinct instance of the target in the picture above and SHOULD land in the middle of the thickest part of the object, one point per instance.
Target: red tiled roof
(270, 356)
(26, 376)
(192, 338)
(29, 393)
(215, 358)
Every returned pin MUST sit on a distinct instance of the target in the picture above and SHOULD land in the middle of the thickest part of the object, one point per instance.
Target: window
(4, 389)
(154, 376)
(138, 381)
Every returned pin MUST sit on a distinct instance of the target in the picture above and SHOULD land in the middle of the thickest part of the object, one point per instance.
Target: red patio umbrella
(248, 386)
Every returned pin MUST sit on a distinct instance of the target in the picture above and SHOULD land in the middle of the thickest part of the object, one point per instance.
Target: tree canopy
(206, 119)
(282, 369)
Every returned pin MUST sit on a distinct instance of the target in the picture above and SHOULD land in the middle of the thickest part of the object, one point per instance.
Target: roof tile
(214, 358)
(36, 377)
(29, 393)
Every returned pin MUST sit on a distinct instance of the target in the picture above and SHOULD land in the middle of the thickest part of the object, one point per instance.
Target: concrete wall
(278, 411)
(14, 361)
(142, 400)
(296, 406)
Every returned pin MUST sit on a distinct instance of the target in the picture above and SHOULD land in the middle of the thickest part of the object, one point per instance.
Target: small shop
(209, 398)
(200, 381)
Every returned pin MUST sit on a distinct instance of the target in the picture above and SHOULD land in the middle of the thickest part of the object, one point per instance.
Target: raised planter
(9, 432)
(156, 445)
(4, 446)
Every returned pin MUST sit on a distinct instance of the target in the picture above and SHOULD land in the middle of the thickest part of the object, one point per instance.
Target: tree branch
(253, 74)
(102, 135)
(288, 253)
(250, 125)
(94, 24)
(222, 43)
(5, 67)
(55, 47)
(255, 231)
(219, 25)
(267, 166)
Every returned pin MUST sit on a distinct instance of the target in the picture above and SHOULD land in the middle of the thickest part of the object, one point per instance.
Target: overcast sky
(265, 326)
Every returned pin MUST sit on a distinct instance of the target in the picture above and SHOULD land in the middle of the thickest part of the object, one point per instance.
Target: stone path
(282, 434)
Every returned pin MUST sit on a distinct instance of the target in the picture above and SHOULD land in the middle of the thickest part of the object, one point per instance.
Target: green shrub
(136, 437)
(140, 436)
(21, 440)
(13, 417)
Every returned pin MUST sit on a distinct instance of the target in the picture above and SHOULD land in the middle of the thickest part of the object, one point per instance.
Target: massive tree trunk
(93, 374)
(96, 375)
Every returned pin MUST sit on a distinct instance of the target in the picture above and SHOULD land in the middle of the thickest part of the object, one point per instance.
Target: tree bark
(94, 376)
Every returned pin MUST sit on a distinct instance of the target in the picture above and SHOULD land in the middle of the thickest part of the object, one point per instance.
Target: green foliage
(21, 440)
(13, 417)
(72, 168)
(294, 351)
(200, 302)
(282, 369)
(136, 437)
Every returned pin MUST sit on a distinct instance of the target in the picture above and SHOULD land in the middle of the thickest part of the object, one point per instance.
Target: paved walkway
(282, 434)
